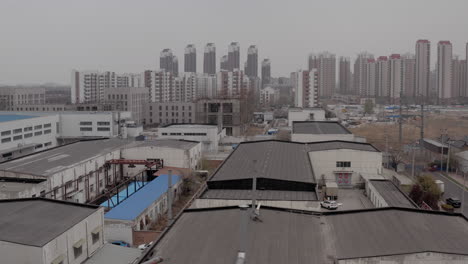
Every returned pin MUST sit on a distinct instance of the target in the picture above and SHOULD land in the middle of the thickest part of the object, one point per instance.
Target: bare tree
(283, 135)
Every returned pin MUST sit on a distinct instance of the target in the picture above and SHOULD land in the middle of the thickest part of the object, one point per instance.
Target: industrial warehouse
(287, 173)
(81, 171)
(134, 185)
(275, 236)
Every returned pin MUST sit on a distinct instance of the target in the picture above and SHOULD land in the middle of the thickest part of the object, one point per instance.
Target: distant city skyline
(43, 41)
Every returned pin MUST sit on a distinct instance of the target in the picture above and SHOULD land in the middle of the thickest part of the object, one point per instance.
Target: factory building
(288, 173)
(274, 236)
(26, 133)
(85, 171)
(208, 135)
(43, 231)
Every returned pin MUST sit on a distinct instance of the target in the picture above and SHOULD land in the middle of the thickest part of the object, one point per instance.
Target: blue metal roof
(122, 195)
(6, 118)
(134, 205)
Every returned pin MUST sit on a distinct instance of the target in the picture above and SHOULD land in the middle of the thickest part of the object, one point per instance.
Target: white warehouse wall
(209, 141)
(374, 196)
(81, 169)
(17, 253)
(63, 244)
(172, 157)
(70, 125)
(324, 163)
(35, 128)
(298, 114)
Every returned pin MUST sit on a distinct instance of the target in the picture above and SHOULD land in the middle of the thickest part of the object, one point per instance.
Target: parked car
(330, 205)
(145, 246)
(455, 202)
(120, 243)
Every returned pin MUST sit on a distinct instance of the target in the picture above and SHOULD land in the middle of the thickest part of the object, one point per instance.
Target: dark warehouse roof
(318, 127)
(296, 237)
(279, 160)
(37, 221)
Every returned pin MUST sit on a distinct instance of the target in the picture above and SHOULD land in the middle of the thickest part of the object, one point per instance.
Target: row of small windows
(343, 164)
(173, 107)
(26, 129)
(185, 134)
(27, 135)
(161, 121)
(172, 114)
(89, 123)
(91, 129)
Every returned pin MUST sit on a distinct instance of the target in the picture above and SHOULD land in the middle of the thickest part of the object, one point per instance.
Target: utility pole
(386, 152)
(448, 157)
(422, 123)
(169, 196)
(400, 134)
(412, 166)
(463, 191)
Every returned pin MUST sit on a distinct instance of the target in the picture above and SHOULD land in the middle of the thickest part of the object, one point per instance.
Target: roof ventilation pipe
(240, 258)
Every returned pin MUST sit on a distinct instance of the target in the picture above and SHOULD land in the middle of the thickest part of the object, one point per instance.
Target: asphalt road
(453, 190)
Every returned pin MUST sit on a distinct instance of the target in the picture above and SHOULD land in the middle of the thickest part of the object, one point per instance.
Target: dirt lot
(456, 125)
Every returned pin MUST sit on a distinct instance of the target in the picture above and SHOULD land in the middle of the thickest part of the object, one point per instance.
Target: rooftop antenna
(254, 185)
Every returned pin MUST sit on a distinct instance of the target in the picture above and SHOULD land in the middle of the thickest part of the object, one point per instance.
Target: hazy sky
(43, 40)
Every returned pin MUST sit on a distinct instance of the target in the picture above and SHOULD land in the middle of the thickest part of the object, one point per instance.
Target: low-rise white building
(346, 163)
(208, 135)
(43, 231)
(305, 114)
(25, 134)
(175, 153)
(92, 124)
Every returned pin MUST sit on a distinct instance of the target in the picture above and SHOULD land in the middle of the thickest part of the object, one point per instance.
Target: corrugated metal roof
(274, 159)
(214, 237)
(282, 236)
(318, 127)
(260, 195)
(37, 221)
(134, 205)
(391, 232)
(279, 160)
(391, 194)
(55, 160)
